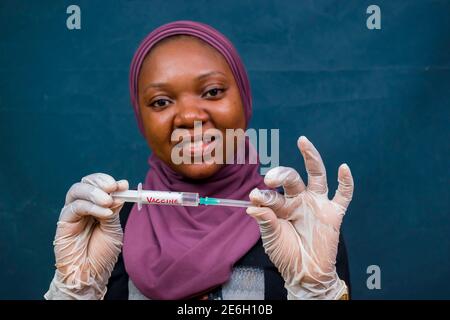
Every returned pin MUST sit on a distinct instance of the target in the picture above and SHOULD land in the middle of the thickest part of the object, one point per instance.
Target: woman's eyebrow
(199, 78)
(208, 74)
(155, 85)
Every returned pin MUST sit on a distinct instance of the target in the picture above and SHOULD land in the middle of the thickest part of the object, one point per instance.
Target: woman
(284, 247)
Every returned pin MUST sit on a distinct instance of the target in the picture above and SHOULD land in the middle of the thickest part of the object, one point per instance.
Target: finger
(270, 199)
(317, 177)
(288, 178)
(344, 192)
(267, 198)
(90, 193)
(79, 208)
(102, 181)
(267, 220)
(122, 185)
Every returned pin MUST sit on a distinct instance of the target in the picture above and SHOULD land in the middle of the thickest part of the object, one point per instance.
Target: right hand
(88, 237)
(300, 229)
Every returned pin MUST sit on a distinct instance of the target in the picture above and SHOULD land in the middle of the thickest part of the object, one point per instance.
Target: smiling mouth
(197, 146)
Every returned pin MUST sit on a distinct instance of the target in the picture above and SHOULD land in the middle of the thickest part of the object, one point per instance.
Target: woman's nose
(189, 111)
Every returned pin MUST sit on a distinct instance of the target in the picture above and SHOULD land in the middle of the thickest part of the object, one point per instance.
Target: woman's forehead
(183, 55)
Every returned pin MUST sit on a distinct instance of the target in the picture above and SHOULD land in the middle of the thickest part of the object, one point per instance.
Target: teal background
(375, 99)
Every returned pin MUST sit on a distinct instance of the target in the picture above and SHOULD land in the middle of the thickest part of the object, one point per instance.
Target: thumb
(266, 218)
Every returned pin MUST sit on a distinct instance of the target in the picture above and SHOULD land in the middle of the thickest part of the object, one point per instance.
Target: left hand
(300, 229)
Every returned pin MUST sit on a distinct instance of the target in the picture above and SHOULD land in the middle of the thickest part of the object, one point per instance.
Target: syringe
(171, 198)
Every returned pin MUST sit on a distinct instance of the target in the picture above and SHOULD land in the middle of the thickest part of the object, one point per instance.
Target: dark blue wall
(376, 99)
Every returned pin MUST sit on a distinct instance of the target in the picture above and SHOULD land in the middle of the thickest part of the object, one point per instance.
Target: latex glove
(300, 229)
(88, 239)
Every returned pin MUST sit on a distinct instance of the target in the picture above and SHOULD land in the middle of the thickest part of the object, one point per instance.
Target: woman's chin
(198, 171)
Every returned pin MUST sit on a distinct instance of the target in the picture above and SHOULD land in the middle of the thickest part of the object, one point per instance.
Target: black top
(255, 257)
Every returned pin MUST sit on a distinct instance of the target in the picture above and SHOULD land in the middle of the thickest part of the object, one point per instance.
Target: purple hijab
(173, 252)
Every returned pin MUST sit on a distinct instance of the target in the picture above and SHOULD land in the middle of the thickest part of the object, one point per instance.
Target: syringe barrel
(170, 198)
(158, 197)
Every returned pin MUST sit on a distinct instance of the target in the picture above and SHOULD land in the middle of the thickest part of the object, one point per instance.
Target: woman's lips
(201, 145)
(198, 148)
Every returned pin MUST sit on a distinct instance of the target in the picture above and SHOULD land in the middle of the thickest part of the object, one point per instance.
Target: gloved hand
(300, 229)
(88, 239)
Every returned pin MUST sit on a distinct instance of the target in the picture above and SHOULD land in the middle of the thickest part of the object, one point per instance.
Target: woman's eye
(160, 103)
(213, 92)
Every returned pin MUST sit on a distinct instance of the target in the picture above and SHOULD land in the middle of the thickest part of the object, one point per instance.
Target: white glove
(88, 239)
(300, 229)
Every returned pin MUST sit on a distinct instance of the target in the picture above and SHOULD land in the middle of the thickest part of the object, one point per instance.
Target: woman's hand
(300, 229)
(88, 239)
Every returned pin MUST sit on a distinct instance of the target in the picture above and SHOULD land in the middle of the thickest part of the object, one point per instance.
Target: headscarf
(177, 252)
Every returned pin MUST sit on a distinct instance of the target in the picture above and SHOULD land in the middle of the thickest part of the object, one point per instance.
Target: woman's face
(184, 80)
